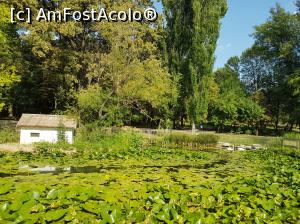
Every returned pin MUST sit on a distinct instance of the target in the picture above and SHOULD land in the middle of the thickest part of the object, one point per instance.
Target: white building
(45, 128)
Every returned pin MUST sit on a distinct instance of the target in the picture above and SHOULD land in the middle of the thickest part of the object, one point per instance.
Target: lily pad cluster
(156, 186)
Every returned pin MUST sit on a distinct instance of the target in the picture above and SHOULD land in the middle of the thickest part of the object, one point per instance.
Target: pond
(161, 186)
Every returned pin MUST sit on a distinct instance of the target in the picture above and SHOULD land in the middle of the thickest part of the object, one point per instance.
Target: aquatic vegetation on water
(151, 186)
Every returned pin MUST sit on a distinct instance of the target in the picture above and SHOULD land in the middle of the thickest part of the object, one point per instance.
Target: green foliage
(270, 67)
(185, 139)
(8, 56)
(155, 74)
(107, 139)
(136, 142)
(232, 107)
(93, 107)
(50, 150)
(102, 72)
(94, 144)
(292, 135)
(8, 136)
(61, 133)
(192, 33)
(175, 186)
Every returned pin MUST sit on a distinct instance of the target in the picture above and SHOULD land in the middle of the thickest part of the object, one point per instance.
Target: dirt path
(15, 147)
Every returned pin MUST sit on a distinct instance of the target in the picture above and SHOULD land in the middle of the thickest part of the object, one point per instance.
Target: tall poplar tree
(192, 32)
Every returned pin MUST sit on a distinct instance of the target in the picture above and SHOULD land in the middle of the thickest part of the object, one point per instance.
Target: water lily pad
(4, 189)
(55, 215)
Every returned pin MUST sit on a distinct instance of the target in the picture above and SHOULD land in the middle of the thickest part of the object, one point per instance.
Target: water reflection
(102, 169)
(57, 170)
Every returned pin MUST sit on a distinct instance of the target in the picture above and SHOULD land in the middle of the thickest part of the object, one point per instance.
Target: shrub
(49, 149)
(90, 134)
(95, 138)
(8, 136)
(292, 135)
(248, 132)
(136, 142)
(200, 139)
(206, 139)
(179, 138)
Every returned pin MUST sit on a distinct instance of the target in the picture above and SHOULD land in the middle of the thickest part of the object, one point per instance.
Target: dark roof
(46, 121)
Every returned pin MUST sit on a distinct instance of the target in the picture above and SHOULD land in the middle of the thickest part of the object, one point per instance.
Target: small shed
(46, 128)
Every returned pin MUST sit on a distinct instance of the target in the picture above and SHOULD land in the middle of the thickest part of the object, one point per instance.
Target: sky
(238, 25)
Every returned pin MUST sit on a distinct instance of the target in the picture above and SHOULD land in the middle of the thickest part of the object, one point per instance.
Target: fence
(8, 124)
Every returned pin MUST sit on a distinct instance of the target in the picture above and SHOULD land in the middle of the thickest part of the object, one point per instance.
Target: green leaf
(268, 205)
(245, 189)
(4, 189)
(139, 217)
(36, 195)
(4, 206)
(55, 215)
(27, 209)
(52, 194)
(247, 211)
(274, 188)
(92, 207)
(107, 218)
(174, 214)
(16, 205)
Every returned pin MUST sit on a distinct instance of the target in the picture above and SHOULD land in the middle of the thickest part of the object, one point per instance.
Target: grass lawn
(250, 139)
(153, 185)
(235, 139)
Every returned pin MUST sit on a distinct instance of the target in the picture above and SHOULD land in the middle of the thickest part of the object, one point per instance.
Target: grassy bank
(250, 140)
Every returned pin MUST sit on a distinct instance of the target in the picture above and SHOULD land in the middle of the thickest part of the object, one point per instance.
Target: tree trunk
(193, 127)
(292, 126)
(182, 121)
(256, 131)
(277, 118)
(276, 124)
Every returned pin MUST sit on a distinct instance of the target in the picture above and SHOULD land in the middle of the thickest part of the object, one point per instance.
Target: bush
(136, 142)
(201, 139)
(206, 139)
(8, 136)
(90, 134)
(179, 138)
(248, 132)
(292, 135)
(107, 139)
(50, 150)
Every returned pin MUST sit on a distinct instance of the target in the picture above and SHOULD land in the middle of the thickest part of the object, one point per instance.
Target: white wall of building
(29, 136)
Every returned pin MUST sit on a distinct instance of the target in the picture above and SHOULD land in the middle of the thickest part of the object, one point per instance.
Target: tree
(104, 71)
(192, 32)
(8, 57)
(8, 78)
(276, 54)
(233, 108)
(298, 5)
(224, 112)
(256, 73)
